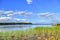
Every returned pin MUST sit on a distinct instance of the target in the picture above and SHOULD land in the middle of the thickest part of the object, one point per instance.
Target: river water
(20, 27)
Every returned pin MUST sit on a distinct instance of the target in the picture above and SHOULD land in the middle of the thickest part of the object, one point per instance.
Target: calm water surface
(20, 27)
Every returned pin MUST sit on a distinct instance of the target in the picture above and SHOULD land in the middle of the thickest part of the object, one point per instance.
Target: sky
(35, 11)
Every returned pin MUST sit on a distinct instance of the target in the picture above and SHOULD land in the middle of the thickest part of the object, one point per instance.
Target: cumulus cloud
(27, 14)
(23, 16)
(51, 17)
(9, 19)
(47, 14)
(9, 15)
(8, 12)
(1, 11)
(5, 18)
(29, 1)
(21, 13)
(15, 13)
(18, 19)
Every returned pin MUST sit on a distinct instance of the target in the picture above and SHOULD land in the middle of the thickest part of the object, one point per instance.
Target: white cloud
(1, 11)
(15, 13)
(29, 1)
(21, 13)
(8, 12)
(11, 19)
(51, 17)
(18, 19)
(12, 16)
(5, 18)
(27, 14)
(46, 14)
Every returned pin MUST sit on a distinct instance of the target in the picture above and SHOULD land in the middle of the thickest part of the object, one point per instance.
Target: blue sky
(40, 11)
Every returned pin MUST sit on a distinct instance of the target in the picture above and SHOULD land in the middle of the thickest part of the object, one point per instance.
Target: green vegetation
(15, 23)
(38, 33)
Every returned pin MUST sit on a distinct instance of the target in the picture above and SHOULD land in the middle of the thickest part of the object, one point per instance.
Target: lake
(20, 27)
